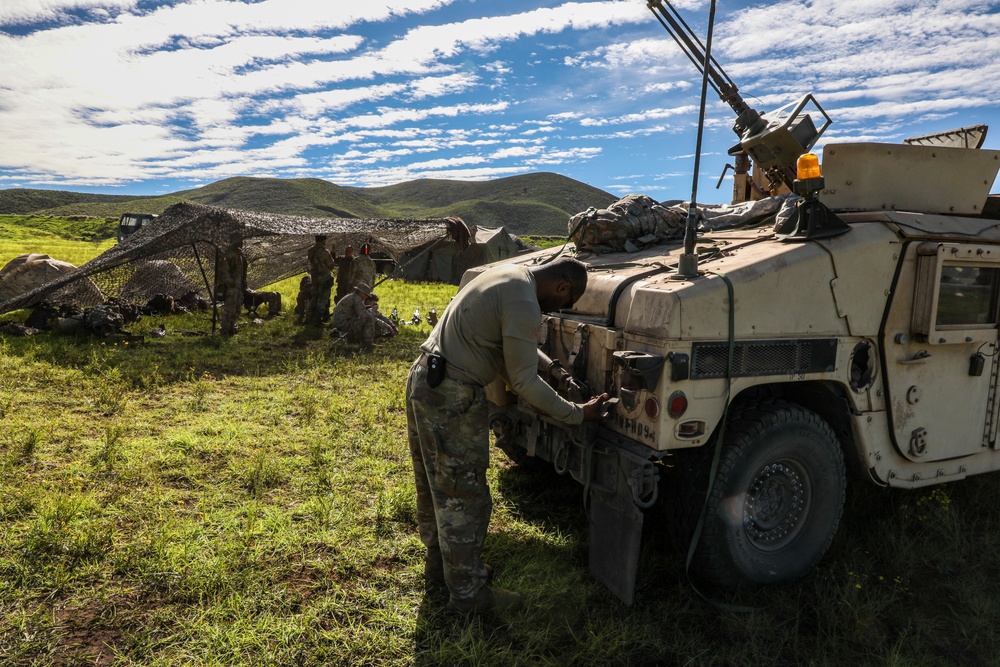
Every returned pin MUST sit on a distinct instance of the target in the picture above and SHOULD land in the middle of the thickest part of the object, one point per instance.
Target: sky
(148, 97)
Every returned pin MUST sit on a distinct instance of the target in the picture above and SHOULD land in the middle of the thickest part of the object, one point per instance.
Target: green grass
(197, 500)
(542, 242)
(67, 239)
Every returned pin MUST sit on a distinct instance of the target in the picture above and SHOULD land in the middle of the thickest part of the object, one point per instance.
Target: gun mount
(774, 140)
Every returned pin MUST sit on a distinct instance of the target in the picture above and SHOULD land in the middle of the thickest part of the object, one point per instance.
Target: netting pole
(208, 287)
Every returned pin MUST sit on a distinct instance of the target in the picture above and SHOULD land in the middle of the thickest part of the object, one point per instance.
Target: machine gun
(774, 140)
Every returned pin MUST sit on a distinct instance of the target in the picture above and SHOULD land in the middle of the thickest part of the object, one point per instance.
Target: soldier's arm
(521, 362)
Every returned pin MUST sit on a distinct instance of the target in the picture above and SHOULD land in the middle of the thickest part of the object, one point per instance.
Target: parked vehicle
(855, 336)
(129, 223)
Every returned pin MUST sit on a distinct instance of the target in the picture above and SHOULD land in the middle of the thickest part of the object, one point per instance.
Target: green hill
(26, 200)
(20, 228)
(538, 203)
(297, 196)
(527, 204)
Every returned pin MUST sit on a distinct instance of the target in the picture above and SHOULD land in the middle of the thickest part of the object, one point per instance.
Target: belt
(422, 361)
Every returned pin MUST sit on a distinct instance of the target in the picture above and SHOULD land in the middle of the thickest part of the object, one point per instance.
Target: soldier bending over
(490, 328)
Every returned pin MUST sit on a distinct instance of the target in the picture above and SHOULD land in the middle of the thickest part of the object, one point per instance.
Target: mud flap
(615, 537)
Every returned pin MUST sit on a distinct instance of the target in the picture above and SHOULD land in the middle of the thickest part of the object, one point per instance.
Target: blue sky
(153, 96)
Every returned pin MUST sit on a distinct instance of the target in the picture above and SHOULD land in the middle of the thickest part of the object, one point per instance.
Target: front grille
(766, 357)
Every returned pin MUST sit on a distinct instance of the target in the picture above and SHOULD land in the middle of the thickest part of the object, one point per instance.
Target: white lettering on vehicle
(635, 428)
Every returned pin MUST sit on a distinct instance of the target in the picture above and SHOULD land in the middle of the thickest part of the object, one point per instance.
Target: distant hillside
(297, 196)
(23, 200)
(21, 228)
(538, 203)
(527, 204)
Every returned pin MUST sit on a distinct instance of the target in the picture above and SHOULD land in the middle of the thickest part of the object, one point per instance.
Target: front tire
(777, 498)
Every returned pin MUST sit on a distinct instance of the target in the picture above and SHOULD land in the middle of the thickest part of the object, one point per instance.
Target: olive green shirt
(491, 328)
(321, 262)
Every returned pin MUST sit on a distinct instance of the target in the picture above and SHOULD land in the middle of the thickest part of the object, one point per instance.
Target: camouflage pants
(449, 445)
(362, 330)
(231, 306)
(318, 308)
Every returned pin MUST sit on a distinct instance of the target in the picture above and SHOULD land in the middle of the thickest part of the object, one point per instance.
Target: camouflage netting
(636, 221)
(177, 254)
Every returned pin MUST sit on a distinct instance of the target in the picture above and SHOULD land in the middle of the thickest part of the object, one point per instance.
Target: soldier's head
(349, 251)
(560, 283)
(363, 289)
(320, 239)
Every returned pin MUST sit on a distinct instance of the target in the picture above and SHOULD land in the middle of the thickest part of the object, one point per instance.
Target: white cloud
(106, 91)
(644, 116)
(12, 11)
(439, 86)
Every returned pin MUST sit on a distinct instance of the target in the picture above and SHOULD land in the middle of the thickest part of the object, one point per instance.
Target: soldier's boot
(488, 600)
(434, 569)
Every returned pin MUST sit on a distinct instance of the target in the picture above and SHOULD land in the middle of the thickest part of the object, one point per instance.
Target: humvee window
(968, 296)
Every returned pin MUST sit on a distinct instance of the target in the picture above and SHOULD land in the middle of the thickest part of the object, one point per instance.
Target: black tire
(777, 498)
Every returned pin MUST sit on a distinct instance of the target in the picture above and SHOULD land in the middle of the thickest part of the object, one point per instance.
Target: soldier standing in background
(344, 273)
(362, 268)
(321, 267)
(303, 298)
(232, 278)
(490, 329)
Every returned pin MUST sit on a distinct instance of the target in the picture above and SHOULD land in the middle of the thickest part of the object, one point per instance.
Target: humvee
(746, 391)
(784, 361)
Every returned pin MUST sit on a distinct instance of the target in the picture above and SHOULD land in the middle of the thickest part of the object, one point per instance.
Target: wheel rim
(776, 505)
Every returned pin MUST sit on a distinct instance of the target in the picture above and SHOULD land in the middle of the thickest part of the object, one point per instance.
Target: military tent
(445, 261)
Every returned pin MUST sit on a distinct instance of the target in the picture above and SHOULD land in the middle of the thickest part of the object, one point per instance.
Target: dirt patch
(97, 632)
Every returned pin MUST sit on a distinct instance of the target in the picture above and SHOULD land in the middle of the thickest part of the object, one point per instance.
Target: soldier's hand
(593, 410)
(573, 389)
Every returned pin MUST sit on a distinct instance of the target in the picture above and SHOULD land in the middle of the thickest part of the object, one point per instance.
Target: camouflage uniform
(491, 328)
(303, 298)
(321, 267)
(449, 445)
(350, 316)
(232, 276)
(344, 285)
(362, 271)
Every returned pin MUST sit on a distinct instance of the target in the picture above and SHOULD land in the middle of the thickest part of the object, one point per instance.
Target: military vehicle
(130, 223)
(855, 337)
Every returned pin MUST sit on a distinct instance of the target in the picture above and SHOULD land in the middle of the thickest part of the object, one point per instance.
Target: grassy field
(192, 500)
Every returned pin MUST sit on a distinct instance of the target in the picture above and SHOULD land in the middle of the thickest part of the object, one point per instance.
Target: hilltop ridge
(537, 203)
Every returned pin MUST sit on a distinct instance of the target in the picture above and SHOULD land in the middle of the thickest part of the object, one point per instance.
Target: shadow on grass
(269, 347)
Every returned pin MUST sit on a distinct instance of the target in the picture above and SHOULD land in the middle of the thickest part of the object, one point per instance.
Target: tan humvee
(872, 350)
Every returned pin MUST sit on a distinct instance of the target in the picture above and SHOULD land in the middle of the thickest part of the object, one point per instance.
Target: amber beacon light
(807, 167)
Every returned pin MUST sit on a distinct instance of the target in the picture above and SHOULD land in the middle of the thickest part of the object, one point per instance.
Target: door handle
(920, 357)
